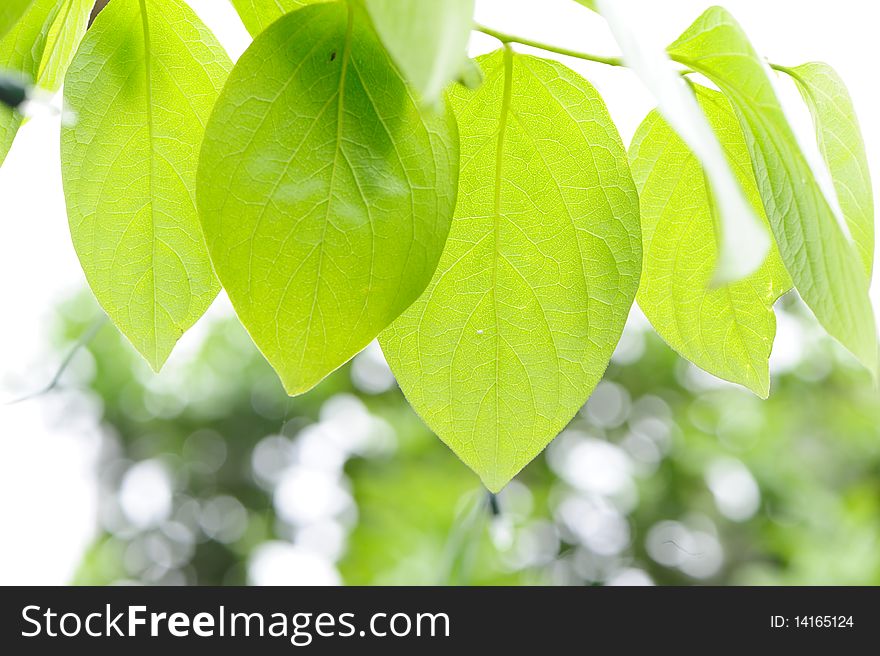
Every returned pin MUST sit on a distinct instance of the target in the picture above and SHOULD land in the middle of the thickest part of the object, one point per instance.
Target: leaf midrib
(809, 91)
(148, 88)
(47, 56)
(340, 115)
(506, 94)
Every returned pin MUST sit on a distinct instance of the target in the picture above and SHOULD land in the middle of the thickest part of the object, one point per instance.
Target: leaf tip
(296, 384)
(155, 358)
(294, 389)
(494, 483)
(756, 378)
(762, 389)
(153, 351)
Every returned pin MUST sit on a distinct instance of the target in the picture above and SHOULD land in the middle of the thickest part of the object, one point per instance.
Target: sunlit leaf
(64, 37)
(742, 243)
(538, 275)
(589, 4)
(427, 40)
(325, 192)
(843, 149)
(257, 15)
(39, 49)
(21, 52)
(11, 12)
(727, 330)
(825, 268)
(142, 85)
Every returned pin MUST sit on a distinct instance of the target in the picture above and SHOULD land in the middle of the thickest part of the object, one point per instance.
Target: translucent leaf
(39, 49)
(825, 268)
(142, 85)
(427, 40)
(64, 37)
(589, 4)
(742, 242)
(10, 13)
(21, 52)
(538, 275)
(727, 330)
(325, 192)
(843, 149)
(257, 15)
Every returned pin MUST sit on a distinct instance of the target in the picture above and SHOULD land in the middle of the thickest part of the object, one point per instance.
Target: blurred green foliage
(664, 476)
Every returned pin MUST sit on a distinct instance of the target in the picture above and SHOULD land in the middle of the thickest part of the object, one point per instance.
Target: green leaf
(427, 40)
(325, 191)
(843, 149)
(589, 4)
(538, 275)
(63, 39)
(823, 264)
(39, 49)
(142, 85)
(727, 330)
(257, 15)
(11, 12)
(741, 241)
(21, 52)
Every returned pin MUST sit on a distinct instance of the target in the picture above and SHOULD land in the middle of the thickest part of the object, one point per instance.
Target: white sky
(47, 492)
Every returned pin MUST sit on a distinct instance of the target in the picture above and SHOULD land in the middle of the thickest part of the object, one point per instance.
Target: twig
(510, 38)
(84, 339)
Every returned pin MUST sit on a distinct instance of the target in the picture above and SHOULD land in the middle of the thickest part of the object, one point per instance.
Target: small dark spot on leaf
(12, 91)
(332, 55)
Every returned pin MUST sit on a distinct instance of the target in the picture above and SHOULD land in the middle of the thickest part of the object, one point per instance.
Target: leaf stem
(494, 506)
(693, 67)
(793, 74)
(510, 38)
(586, 56)
(780, 67)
